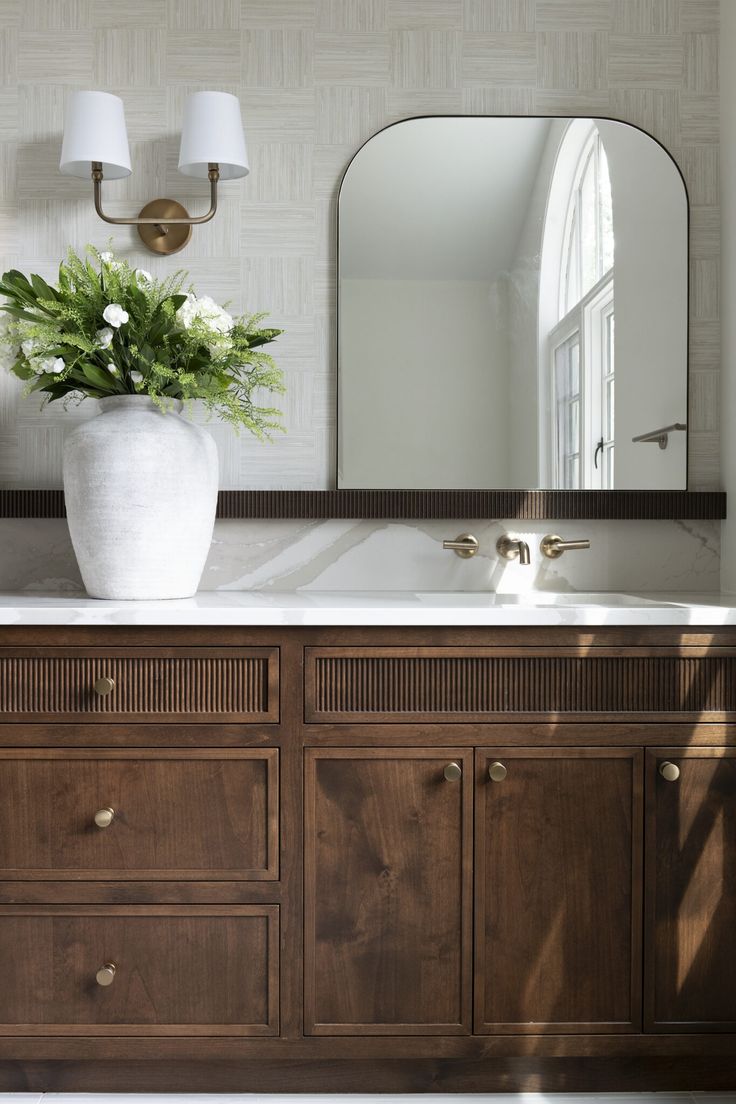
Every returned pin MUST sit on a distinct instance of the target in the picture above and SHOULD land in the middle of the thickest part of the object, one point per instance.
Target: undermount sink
(542, 598)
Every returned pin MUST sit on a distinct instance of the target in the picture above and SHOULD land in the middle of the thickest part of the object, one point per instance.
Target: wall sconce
(212, 148)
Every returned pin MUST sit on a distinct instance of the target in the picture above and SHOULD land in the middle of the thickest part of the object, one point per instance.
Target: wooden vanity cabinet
(367, 860)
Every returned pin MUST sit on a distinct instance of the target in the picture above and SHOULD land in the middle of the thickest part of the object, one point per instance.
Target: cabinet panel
(558, 867)
(376, 684)
(691, 890)
(388, 891)
(182, 970)
(172, 814)
(140, 684)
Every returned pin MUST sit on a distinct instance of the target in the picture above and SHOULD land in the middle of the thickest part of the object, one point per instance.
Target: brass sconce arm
(156, 217)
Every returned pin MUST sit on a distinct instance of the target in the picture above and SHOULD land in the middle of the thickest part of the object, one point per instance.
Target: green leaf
(19, 312)
(22, 370)
(97, 376)
(42, 289)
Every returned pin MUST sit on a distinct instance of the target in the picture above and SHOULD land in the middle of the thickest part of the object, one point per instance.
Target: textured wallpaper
(315, 79)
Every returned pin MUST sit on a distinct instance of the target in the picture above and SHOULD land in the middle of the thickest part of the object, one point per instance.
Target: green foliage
(107, 329)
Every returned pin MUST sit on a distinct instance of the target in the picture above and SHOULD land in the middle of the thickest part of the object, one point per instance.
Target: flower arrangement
(108, 329)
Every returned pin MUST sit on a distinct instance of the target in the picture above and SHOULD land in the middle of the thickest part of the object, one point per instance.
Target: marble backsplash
(36, 555)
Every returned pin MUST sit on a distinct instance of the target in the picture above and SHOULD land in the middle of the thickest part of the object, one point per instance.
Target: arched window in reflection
(580, 362)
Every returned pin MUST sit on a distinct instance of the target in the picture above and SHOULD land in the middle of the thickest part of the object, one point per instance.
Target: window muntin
(583, 415)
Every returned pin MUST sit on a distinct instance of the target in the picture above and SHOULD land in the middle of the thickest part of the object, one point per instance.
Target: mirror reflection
(512, 308)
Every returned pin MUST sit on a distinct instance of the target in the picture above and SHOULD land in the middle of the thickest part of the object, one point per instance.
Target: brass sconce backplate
(162, 238)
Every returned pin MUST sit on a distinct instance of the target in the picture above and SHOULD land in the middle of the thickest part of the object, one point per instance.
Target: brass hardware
(669, 771)
(104, 817)
(465, 546)
(106, 974)
(509, 548)
(158, 216)
(497, 772)
(453, 772)
(661, 436)
(553, 546)
(104, 686)
(159, 238)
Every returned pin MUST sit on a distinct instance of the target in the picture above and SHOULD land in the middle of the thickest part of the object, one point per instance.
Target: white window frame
(588, 319)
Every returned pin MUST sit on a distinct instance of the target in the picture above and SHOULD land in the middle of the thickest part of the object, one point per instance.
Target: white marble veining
(627, 556)
(374, 608)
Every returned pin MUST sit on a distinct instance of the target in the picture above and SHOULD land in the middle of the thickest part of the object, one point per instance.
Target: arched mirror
(513, 304)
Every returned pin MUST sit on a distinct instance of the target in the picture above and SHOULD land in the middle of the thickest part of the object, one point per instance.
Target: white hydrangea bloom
(9, 346)
(8, 355)
(219, 347)
(115, 315)
(51, 366)
(30, 345)
(108, 259)
(206, 311)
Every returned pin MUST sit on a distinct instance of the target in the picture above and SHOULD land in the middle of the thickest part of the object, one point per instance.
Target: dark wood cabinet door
(691, 890)
(388, 891)
(558, 870)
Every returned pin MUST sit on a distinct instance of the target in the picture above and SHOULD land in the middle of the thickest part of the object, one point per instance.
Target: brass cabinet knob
(106, 974)
(104, 686)
(497, 772)
(669, 771)
(104, 817)
(453, 772)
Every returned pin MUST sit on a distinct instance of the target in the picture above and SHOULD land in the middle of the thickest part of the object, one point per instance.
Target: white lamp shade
(213, 133)
(94, 130)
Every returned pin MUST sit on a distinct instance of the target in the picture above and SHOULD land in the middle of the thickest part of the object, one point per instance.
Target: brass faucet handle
(553, 546)
(465, 546)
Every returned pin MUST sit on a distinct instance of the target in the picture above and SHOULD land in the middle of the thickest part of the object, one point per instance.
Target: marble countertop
(375, 608)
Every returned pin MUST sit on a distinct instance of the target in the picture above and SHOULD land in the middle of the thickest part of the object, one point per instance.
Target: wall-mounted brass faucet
(511, 547)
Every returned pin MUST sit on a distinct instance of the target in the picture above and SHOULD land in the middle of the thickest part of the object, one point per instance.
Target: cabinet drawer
(140, 684)
(174, 814)
(368, 685)
(194, 970)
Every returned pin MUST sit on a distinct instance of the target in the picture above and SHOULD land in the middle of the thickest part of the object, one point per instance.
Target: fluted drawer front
(139, 970)
(139, 815)
(228, 684)
(406, 684)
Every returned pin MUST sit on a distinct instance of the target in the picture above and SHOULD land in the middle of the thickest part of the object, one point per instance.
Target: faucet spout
(509, 548)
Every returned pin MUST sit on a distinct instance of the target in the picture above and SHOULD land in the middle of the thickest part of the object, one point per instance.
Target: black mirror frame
(411, 505)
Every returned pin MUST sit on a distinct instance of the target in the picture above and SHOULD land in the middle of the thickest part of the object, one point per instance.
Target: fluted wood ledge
(424, 505)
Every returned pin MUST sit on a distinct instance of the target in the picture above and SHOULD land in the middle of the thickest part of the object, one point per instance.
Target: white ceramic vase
(141, 493)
